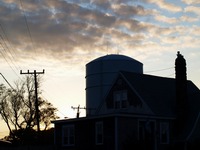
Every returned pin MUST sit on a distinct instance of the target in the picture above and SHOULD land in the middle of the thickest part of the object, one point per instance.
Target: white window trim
(122, 98)
(145, 120)
(63, 128)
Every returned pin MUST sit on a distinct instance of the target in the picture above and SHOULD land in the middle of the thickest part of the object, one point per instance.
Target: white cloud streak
(190, 2)
(165, 5)
(193, 9)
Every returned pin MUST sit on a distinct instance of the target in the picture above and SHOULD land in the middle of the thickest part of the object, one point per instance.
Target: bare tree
(5, 113)
(18, 106)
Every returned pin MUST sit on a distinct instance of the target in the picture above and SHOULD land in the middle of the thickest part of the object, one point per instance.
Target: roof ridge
(147, 75)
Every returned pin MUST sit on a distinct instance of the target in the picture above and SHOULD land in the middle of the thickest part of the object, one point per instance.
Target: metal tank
(100, 74)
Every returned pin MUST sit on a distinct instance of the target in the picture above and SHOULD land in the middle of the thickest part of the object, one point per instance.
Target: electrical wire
(26, 23)
(170, 75)
(159, 70)
(6, 40)
(57, 109)
(7, 52)
(10, 55)
(6, 81)
(7, 61)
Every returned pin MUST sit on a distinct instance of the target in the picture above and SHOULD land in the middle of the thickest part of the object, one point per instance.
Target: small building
(127, 109)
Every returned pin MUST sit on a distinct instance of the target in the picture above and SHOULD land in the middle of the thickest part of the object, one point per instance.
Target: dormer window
(120, 99)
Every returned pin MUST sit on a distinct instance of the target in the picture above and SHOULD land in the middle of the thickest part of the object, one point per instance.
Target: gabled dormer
(123, 97)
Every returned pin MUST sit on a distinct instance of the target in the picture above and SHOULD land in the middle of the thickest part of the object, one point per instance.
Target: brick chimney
(181, 88)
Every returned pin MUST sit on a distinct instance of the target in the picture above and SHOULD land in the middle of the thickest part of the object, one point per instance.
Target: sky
(62, 36)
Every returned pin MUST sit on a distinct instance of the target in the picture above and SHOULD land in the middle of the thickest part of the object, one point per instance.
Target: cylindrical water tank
(100, 74)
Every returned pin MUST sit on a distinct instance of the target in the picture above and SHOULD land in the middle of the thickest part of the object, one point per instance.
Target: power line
(8, 47)
(159, 70)
(7, 53)
(57, 109)
(7, 81)
(26, 22)
(7, 61)
(78, 110)
(6, 37)
(170, 75)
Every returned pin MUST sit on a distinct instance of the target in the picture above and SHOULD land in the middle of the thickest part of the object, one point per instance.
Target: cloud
(193, 9)
(170, 40)
(67, 29)
(188, 19)
(175, 20)
(165, 19)
(125, 10)
(166, 5)
(59, 27)
(56, 33)
(189, 2)
(195, 31)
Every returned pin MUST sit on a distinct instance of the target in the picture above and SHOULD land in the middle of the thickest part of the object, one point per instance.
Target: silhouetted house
(127, 109)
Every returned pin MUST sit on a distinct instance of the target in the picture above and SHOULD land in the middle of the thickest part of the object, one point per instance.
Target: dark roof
(192, 120)
(159, 93)
(128, 115)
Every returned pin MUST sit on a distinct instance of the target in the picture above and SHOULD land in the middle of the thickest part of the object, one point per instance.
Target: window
(147, 131)
(120, 99)
(68, 137)
(164, 132)
(141, 131)
(99, 133)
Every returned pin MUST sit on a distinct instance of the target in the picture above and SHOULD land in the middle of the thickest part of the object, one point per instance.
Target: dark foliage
(31, 137)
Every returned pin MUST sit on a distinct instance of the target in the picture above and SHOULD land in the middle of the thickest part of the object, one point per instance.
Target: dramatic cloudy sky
(61, 36)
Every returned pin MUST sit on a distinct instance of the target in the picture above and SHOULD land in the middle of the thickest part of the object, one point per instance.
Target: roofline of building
(114, 115)
(108, 57)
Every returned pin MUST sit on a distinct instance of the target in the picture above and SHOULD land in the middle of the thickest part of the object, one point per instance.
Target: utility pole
(36, 95)
(78, 110)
